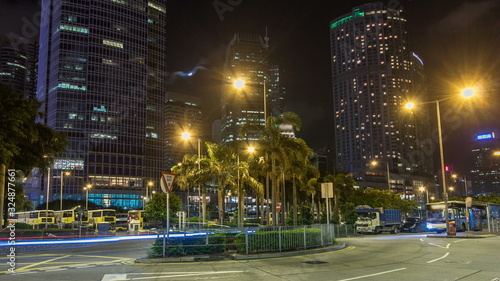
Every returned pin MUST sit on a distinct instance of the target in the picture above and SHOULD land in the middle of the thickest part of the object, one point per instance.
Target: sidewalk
(235, 256)
(466, 234)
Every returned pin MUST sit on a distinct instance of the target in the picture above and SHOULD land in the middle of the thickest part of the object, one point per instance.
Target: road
(382, 257)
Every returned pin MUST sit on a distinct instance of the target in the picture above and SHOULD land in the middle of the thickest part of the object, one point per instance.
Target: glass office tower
(101, 78)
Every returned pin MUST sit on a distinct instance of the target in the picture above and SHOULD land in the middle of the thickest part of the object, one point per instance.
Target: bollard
(453, 229)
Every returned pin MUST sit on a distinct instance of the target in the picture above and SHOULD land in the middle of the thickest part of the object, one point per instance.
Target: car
(413, 224)
(438, 225)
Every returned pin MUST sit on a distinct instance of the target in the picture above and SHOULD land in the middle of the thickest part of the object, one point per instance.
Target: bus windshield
(108, 213)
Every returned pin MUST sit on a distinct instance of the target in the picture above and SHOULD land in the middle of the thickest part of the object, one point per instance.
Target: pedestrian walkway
(465, 234)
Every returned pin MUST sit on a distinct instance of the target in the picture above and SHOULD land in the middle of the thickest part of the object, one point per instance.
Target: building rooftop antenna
(266, 39)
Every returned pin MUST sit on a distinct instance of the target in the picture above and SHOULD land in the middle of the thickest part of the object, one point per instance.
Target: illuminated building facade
(102, 80)
(182, 114)
(18, 65)
(246, 59)
(485, 174)
(373, 74)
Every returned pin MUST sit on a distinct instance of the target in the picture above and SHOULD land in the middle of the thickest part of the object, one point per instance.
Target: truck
(377, 220)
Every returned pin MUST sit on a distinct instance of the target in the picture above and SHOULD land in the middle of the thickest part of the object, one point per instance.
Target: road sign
(327, 190)
(278, 207)
(167, 182)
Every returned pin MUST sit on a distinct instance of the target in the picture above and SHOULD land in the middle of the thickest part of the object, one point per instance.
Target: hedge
(179, 250)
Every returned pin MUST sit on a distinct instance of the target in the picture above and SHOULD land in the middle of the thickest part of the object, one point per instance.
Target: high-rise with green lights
(373, 74)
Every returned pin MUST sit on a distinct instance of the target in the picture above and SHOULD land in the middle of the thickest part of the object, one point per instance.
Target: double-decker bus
(37, 219)
(473, 217)
(71, 218)
(97, 217)
(136, 220)
(122, 222)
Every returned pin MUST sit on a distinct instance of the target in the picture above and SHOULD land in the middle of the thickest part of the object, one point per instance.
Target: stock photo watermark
(11, 209)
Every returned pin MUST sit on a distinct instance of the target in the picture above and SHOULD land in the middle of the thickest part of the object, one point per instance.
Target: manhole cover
(458, 261)
(315, 262)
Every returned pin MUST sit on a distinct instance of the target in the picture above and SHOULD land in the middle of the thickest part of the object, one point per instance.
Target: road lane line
(374, 274)
(447, 246)
(43, 262)
(445, 255)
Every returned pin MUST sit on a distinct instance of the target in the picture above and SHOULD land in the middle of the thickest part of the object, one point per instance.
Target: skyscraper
(182, 114)
(101, 78)
(373, 73)
(246, 59)
(485, 174)
(18, 65)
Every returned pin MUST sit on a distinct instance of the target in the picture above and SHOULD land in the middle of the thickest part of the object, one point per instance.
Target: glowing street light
(87, 188)
(465, 93)
(61, 193)
(375, 163)
(150, 185)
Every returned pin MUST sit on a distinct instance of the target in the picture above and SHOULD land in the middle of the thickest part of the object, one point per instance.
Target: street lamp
(61, 193)
(87, 188)
(150, 184)
(187, 136)
(423, 189)
(466, 94)
(241, 200)
(375, 163)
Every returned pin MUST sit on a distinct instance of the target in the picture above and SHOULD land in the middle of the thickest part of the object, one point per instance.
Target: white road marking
(374, 274)
(447, 246)
(137, 276)
(57, 269)
(439, 258)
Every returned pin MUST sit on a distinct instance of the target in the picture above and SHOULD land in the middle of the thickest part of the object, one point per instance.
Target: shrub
(195, 245)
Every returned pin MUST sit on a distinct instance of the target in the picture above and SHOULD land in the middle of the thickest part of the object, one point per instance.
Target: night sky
(457, 40)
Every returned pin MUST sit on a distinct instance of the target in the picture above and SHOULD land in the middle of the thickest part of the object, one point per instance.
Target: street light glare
(239, 84)
(496, 153)
(374, 163)
(467, 93)
(410, 105)
(186, 135)
(251, 149)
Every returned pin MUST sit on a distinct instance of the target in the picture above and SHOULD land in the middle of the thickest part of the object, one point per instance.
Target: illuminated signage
(485, 136)
(68, 164)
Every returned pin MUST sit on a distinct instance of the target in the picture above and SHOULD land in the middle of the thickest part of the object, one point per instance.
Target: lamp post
(241, 200)
(374, 163)
(150, 184)
(239, 84)
(186, 136)
(61, 193)
(87, 188)
(466, 94)
(48, 190)
(423, 189)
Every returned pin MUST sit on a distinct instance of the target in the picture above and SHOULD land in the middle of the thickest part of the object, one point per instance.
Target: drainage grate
(315, 262)
(458, 261)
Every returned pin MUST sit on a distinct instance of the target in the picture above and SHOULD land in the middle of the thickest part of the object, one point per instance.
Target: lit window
(112, 43)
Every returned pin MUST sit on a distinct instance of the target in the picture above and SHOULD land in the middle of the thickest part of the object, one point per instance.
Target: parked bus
(473, 217)
(37, 219)
(70, 218)
(98, 217)
(122, 222)
(136, 220)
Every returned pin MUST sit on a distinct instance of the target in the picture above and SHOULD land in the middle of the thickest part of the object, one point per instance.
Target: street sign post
(167, 183)
(327, 192)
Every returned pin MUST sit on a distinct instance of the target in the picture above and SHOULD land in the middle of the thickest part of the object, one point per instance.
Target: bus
(476, 216)
(100, 217)
(37, 219)
(71, 218)
(136, 220)
(122, 222)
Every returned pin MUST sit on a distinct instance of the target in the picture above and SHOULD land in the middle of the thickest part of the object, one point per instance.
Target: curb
(203, 258)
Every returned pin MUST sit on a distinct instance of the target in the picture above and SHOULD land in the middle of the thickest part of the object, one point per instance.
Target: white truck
(377, 220)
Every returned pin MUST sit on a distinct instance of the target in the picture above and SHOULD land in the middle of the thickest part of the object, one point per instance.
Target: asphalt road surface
(382, 257)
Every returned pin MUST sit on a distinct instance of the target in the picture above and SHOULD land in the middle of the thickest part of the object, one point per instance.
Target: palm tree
(300, 168)
(245, 179)
(187, 174)
(220, 164)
